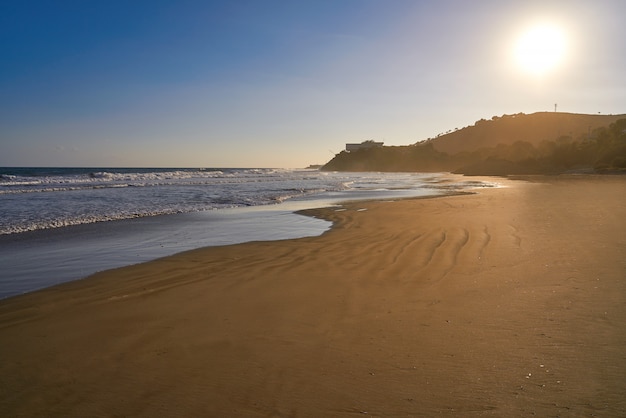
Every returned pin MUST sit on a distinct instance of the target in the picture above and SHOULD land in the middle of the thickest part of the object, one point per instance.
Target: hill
(533, 128)
(510, 144)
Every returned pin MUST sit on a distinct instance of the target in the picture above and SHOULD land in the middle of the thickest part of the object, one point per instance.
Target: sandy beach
(508, 302)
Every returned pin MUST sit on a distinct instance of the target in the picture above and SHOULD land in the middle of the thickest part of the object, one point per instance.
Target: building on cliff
(364, 145)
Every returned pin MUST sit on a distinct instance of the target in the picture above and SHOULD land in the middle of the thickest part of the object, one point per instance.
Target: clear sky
(284, 83)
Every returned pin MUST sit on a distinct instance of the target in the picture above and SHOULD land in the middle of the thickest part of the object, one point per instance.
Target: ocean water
(61, 224)
(34, 199)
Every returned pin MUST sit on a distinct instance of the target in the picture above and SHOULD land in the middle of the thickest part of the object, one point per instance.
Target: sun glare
(540, 49)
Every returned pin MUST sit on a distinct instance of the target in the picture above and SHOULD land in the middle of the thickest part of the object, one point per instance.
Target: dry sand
(510, 302)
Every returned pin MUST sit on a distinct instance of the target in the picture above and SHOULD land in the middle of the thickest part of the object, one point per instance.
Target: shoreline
(60, 256)
(506, 302)
(74, 252)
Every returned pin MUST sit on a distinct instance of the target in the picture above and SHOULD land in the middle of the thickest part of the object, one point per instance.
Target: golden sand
(509, 302)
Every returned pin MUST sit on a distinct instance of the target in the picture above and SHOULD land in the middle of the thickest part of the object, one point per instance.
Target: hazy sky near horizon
(282, 83)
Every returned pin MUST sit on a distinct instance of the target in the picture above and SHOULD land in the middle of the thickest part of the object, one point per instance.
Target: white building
(363, 145)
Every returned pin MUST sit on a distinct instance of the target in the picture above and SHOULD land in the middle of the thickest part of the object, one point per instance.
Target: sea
(63, 224)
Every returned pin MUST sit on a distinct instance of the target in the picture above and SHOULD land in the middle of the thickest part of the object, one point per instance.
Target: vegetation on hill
(599, 149)
(534, 128)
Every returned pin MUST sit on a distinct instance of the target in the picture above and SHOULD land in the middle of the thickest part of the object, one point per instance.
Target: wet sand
(509, 302)
(61, 255)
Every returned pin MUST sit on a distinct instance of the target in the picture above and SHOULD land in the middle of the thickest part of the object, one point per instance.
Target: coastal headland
(507, 302)
(517, 144)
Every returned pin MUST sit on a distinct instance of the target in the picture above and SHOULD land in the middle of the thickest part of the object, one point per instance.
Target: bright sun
(540, 49)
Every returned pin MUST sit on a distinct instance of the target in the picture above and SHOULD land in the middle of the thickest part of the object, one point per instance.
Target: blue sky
(281, 83)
